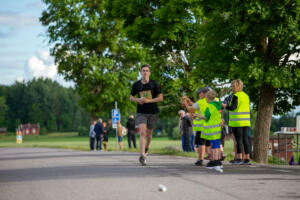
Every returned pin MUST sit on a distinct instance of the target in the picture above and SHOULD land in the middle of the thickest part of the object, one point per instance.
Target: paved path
(54, 174)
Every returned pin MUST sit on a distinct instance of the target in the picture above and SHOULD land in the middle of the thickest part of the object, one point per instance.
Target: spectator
(92, 135)
(130, 125)
(99, 134)
(186, 130)
(239, 120)
(120, 136)
(105, 136)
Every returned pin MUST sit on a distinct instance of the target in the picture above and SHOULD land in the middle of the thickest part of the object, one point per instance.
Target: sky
(24, 50)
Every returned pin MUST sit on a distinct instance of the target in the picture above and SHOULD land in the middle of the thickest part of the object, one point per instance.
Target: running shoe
(219, 163)
(199, 163)
(237, 162)
(142, 160)
(211, 164)
(223, 156)
(232, 161)
(246, 162)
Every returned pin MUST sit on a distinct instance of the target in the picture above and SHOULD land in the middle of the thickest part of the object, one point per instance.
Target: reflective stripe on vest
(240, 117)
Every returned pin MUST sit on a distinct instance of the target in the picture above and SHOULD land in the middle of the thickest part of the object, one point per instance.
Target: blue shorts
(120, 138)
(215, 144)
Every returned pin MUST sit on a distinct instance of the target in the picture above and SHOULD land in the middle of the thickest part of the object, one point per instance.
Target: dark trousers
(98, 142)
(92, 143)
(241, 137)
(131, 137)
(186, 142)
(192, 142)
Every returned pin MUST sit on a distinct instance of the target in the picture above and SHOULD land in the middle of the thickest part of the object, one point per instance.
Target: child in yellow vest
(212, 129)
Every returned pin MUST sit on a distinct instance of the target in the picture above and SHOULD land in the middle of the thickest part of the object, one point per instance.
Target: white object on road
(219, 169)
(162, 188)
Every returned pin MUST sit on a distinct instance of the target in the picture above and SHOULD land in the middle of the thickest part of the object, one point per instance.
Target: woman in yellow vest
(239, 120)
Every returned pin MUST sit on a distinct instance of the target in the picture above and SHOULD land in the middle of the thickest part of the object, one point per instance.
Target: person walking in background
(92, 135)
(185, 130)
(130, 125)
(120, 136)
(105, 136)
(239, 120)
(99, 134)
(149, 94)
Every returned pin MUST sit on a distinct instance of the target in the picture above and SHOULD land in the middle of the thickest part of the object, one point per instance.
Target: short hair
(145, 65)
(239, 83)
(210, 95)
(100, 120)
(203, 90)
(181, 111)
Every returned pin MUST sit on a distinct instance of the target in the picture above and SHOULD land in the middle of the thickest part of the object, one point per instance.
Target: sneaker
(219, 169)
(219, 163)
(142, 160)
(211, 164)
(223, 156)
(246, 162)
(199, 163)
(146, 150)
(232, 161)
(237, 162)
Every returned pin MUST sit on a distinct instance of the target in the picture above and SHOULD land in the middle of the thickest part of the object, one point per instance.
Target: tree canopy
(41, 101)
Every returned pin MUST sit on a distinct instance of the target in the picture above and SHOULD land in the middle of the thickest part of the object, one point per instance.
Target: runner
(149, 93)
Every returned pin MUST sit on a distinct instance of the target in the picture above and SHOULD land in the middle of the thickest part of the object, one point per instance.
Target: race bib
(146, 94)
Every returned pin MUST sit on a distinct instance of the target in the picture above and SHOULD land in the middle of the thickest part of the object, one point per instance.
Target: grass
(70, 140)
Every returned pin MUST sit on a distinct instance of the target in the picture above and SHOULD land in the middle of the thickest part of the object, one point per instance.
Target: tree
(42, 101)
(254, 41)
(90, 48)
(3, 111)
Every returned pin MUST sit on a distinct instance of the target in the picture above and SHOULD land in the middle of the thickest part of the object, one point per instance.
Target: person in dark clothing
(99, 134)
(186, 130)
(130, 125)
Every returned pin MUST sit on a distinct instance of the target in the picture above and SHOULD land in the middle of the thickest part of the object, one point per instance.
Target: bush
(83, 131)
(43, 131)
(175, 133)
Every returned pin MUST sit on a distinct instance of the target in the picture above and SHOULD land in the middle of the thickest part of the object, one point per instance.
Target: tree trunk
(263, 123)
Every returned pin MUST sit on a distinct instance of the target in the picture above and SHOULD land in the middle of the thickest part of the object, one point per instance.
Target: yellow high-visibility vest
(197, 122)
(212, 127)
(240, 117)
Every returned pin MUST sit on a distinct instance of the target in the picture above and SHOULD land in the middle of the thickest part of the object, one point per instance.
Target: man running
(149, 93)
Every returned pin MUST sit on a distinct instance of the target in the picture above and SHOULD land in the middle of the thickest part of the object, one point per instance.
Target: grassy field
(70, 140)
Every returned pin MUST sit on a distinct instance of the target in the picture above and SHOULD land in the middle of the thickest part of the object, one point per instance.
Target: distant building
(29, 129)
(3, 130)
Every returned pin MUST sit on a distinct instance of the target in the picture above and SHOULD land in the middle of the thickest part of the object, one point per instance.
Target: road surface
(54, 174)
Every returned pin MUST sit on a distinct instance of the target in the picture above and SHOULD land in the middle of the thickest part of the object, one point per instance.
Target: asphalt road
(54, 174)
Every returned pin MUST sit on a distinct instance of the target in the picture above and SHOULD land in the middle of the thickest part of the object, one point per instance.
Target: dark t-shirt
(149, 90)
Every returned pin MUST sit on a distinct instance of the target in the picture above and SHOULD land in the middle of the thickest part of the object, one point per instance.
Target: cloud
(12, 22)
(39, 68)
(42, 66)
